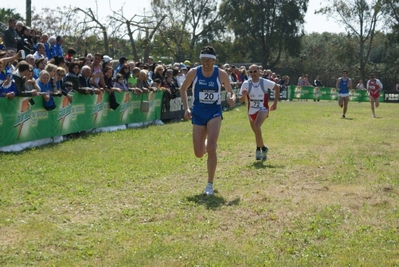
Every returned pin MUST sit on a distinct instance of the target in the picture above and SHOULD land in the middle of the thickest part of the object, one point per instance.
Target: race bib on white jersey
(256, 103)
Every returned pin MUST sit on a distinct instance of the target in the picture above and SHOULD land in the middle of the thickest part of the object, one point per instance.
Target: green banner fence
(327, 93)
(23, 120)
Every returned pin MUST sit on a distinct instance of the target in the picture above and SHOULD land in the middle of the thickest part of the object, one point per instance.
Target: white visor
(207, 56)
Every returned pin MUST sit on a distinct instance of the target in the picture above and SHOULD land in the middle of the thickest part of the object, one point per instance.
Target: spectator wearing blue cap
(181, 76)
(184, 69)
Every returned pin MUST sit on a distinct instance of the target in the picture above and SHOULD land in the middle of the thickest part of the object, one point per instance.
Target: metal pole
(28, 13)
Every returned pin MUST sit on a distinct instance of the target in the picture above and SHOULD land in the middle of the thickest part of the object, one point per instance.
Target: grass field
(328, 195)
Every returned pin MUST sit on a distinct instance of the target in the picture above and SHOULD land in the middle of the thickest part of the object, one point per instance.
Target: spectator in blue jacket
(8, 88)
(50, 49)
(57, 48)
(46, 87)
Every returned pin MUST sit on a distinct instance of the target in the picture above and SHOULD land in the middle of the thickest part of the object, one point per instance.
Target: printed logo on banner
(333, 93)
(298, 92)
(23, 116)
(317, 93)
(126, 102)
(351, 94)
(151, 96)
(153, 102)
(98, 106)
(146, 105)
(64, 111)
(126, 105)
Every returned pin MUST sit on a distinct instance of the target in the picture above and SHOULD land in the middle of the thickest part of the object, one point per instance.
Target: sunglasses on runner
(253, 71)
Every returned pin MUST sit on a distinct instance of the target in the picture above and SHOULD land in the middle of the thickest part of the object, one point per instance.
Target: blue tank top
(206, 90)
(343, 85)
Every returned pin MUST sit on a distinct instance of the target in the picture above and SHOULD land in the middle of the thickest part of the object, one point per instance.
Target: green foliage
(165, 43)
(265, 28)
(327, 196)
(361, 18)
(225, 51)
(266, 32)
(58, 21)
(187, 23)
(6, 14)
(392, 15)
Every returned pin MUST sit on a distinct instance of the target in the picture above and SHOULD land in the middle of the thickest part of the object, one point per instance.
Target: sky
(314, 23)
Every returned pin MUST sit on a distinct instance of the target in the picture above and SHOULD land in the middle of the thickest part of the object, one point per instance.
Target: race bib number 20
(208, 97)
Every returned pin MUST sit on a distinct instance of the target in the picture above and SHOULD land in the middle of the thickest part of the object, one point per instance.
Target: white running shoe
(208, 190)
(374, 116)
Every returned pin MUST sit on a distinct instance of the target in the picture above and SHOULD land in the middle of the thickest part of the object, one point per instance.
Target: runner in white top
(256, 91)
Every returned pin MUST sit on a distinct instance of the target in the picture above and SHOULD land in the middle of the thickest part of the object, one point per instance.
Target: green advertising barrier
(327, 93)
(23, 120)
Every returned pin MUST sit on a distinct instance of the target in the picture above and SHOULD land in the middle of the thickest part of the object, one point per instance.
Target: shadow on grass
(262, 165)
(66, 138)
(212, 202)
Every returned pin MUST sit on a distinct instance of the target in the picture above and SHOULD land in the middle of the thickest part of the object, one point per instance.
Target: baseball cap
(183, 66)
(187, 62)
(107, 58)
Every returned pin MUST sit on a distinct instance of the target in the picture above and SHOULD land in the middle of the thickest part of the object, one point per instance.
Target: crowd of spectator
(237, 75)
(33, 64)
